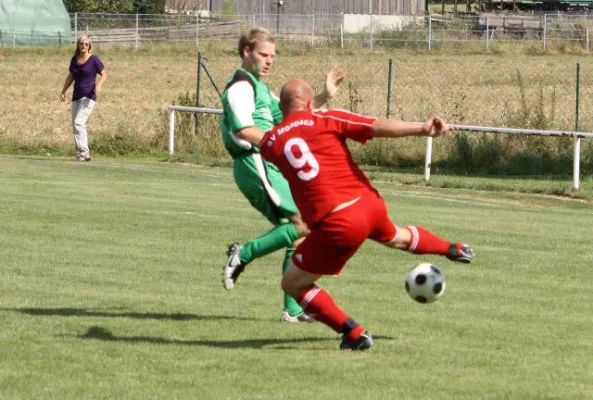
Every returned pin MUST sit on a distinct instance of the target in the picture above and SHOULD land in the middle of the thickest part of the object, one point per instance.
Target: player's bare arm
(396, 128)
(333, 79)
(251, 134)
(436, 126)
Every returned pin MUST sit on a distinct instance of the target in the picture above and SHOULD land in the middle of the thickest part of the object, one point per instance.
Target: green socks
(279, 237)
(290, 304)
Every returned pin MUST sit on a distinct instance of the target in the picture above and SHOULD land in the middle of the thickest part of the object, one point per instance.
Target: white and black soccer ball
(425, 283)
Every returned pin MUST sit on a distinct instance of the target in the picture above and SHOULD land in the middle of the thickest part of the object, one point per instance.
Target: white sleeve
(241, 99)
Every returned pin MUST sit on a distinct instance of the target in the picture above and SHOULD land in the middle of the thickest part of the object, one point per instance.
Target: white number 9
(306, 157)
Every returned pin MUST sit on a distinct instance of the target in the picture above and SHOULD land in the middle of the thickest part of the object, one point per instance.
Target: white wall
(354, 23)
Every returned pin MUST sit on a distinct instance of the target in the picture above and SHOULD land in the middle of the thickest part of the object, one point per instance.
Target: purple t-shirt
(84, 77)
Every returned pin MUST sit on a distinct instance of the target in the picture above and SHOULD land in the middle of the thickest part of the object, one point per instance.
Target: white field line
(226, 176)
(450, 200)
(384, 193)
(137, 167)
(479, 203)
(191, 213)
(94, 183)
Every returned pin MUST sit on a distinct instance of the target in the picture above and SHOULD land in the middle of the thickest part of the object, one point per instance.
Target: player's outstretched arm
(333, 79)
(395, 128)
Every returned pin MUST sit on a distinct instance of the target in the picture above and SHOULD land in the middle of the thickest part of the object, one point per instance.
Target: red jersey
(309, 148)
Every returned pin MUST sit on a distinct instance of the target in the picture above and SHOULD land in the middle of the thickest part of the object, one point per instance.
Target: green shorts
(265, 187)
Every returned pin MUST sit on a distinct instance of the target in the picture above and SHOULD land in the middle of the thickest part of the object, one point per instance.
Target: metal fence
(482, 31)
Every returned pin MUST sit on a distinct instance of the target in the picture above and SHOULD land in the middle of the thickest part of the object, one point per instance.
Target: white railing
(172, 110)
(576, 154)
(428, 156)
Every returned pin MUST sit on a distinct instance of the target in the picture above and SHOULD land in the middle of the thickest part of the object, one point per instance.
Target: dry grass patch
(465, 89)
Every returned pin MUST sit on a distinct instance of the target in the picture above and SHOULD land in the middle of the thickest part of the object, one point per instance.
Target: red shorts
(336, 237)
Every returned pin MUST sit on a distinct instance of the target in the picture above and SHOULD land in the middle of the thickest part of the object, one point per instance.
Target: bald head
(296, 95)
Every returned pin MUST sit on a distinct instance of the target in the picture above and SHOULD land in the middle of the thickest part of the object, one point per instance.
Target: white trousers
(81, 111)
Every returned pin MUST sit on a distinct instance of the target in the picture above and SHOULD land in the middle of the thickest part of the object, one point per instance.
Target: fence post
(429, 32)
(198, 89)
(253, 20)
(545, 29)
(197, 31)
(427, 159)
(372, 33)
(576, 164)
(210, 77)
(172, 132)
(312, 30)
(75, 26)
(342, 36)
(577, 140)
(13, 32)
(389, 88)
(136, 31)
(578, 84)
(487, 33)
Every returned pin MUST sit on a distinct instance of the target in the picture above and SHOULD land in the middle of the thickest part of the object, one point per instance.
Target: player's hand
(333, 78)
(62, 96)
(435, 127)
(98, 90)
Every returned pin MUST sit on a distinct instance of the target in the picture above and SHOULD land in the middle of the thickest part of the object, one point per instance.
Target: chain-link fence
(486, 31)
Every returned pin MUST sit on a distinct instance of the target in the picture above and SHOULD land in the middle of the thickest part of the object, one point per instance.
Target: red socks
(319, 304)
(425, 242)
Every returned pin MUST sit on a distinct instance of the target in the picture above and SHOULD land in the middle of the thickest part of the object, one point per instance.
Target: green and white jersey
(247, 102)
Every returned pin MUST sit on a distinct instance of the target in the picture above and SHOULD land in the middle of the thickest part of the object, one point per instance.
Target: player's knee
(300, 225)
(289, 286)
(302, 229)
(402, 239)
(294, 281)
(297, 242)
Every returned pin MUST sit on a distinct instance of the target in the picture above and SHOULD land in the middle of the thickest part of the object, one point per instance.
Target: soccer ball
(425, 283)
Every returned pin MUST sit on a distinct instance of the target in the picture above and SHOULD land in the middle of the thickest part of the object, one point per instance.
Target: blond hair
(252, 38)
(80, 39)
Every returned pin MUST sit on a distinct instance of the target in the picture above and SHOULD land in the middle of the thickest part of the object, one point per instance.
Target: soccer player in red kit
(338, 202)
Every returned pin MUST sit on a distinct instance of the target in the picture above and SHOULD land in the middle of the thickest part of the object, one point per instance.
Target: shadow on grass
(100, 333)
(82, 312)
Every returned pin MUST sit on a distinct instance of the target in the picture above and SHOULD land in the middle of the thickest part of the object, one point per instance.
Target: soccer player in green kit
(250, 108)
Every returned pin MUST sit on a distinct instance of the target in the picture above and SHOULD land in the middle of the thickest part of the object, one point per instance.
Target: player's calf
(419, 240)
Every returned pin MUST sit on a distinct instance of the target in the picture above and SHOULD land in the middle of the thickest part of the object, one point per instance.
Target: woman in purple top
(83, 70)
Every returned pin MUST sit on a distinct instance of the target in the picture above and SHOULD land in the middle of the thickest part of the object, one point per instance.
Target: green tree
(99, 6)
(228, 8)
(149, 6)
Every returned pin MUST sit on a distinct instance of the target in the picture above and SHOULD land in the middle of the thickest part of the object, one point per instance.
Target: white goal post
(428, 157)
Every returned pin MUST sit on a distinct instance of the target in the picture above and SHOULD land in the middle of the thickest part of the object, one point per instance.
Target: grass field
(111, 289)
